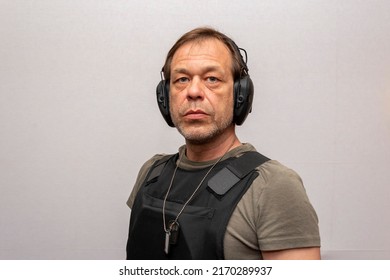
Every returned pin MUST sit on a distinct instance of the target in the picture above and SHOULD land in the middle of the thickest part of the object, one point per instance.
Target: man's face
(201, 90)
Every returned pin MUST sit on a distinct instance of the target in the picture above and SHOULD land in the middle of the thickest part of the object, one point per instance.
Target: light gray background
(78, 114)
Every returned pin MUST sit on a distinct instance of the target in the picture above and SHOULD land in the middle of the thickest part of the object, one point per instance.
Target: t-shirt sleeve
(285, 217)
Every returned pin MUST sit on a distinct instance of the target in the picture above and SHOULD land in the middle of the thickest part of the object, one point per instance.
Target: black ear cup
(243, 98)
(162, 94)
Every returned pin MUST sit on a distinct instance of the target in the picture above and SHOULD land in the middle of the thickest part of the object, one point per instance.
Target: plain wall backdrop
(78, 113)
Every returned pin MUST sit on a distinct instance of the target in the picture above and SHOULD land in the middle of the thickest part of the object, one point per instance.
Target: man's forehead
(206, 48)
(211, 52)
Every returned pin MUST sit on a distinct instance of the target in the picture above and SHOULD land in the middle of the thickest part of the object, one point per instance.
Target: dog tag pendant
(174, 232)
(167, 239)
(171, 236)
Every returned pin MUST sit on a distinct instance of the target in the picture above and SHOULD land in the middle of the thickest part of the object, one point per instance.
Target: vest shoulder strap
(158, 167)
(230, 175)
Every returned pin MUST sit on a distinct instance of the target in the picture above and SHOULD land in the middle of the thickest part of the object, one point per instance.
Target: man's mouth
(195, 114)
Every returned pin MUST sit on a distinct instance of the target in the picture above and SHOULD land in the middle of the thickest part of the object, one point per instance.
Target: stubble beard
(198, 133)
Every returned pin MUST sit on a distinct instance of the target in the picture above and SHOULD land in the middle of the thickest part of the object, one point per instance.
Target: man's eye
(212, 79)
(182, 80)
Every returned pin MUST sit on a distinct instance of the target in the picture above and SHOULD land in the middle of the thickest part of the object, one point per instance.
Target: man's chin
(198, 136)
(202, 133)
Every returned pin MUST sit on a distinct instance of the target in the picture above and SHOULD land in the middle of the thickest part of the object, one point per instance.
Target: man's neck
(211, 150)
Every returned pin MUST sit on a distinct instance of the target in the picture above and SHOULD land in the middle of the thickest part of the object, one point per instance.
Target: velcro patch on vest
(223, 181)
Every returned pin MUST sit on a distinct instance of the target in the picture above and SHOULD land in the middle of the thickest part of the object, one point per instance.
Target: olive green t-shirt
(274, 214)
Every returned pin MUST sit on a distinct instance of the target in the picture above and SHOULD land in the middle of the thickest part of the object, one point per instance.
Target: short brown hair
(203, 33)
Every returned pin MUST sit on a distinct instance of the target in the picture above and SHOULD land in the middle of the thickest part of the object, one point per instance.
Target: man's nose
(195, 89)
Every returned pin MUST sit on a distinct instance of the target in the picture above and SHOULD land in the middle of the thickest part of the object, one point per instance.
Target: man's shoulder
(270, 171)
(142, 174)
(274, 170)
(154, 159)
(274, 181)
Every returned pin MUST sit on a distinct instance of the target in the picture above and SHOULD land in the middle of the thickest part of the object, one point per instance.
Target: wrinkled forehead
(210, 50)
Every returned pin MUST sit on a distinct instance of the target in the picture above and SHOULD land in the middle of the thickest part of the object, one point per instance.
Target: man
(217, 198)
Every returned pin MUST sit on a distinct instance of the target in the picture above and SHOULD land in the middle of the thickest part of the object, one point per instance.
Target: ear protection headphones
(242, 90)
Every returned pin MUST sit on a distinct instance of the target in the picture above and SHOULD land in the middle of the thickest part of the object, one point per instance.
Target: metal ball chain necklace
(172, 230)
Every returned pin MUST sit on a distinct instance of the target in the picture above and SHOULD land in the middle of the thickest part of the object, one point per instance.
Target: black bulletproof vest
(203, 221)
